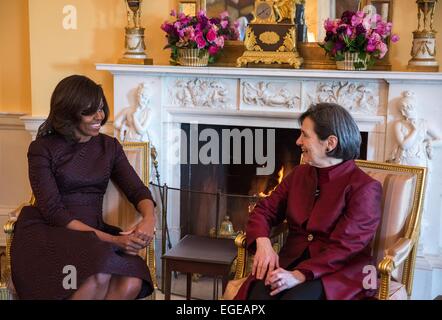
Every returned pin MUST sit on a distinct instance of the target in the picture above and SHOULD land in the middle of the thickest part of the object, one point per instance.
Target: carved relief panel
(211, 93)
(356, 97)
(271, 94)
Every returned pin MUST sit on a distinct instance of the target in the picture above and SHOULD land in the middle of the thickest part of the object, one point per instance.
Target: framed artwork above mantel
(191, 7)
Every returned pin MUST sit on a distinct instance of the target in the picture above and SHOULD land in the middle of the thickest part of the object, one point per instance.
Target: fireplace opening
(217, 190)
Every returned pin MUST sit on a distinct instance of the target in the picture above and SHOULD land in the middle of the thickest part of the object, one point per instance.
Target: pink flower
(371, 47)
(382, 29)
(382, 47)
(356, 19)
(181, 16)
(224, 24)
(189, 33)
(211, 35)
(200, 41)
(330, 25)
(213, 50)
(220, 42)
(394, 38)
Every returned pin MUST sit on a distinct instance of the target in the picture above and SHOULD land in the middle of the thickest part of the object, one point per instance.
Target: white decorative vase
(350, 58)
(193, 57)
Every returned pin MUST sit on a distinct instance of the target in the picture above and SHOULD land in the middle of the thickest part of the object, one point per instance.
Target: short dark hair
(332, 119)
(73, 97)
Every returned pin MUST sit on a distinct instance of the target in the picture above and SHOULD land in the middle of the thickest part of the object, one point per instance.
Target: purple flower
(347, 16)
(342, 29)
(357, 32)
(394, 38)
(199, 32)
(360, 29)
(173, 13)
(339, 45)
(167, 27)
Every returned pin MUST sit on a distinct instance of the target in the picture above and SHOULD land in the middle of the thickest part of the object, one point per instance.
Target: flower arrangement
(358, 32)
(199, 32)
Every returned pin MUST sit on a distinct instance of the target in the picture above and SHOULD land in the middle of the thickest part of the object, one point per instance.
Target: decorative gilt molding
(269, 37)
(200, 93)
(269, 94)
(355, 97)
(290, 58)
(250, 42)
(289, 44)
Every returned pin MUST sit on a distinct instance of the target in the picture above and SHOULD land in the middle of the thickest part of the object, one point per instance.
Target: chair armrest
(399, 251)
(241, 244)
(395, 255)
(5, 292)
(241, 258)
(9, 226)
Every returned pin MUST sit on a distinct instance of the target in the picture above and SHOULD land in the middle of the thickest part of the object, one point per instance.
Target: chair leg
(189, 286)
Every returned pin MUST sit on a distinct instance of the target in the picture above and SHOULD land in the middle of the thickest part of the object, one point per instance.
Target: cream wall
(15, 81)
(57, 53)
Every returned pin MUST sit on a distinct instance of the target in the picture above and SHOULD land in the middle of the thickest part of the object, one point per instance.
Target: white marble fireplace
(275, 98)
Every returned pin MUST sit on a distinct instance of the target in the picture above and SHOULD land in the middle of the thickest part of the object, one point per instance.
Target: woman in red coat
(332, 209)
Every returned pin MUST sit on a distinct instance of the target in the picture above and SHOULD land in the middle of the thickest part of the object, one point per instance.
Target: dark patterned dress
(69, 181)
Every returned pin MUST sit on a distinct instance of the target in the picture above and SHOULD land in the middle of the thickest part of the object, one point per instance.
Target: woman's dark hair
(73, 97)
(332, 119)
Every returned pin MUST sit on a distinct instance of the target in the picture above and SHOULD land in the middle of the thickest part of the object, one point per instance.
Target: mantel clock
(271, 36)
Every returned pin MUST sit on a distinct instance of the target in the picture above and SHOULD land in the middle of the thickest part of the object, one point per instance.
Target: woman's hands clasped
(137, 238)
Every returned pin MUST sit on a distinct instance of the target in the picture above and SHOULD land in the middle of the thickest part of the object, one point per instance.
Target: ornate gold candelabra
(423, 52)
(134, 39)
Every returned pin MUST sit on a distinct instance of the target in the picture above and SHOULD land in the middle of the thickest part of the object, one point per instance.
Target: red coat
(341, 225)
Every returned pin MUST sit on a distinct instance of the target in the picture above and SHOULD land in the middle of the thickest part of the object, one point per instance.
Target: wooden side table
(197, 254)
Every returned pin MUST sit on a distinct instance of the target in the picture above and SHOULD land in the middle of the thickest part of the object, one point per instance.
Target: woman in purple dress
(62, 249)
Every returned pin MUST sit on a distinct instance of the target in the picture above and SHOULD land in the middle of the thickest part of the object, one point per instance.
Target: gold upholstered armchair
(396, 241)
(117, 211)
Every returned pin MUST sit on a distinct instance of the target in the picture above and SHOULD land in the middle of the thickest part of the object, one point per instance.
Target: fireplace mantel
(229, 72)
(275, 98)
